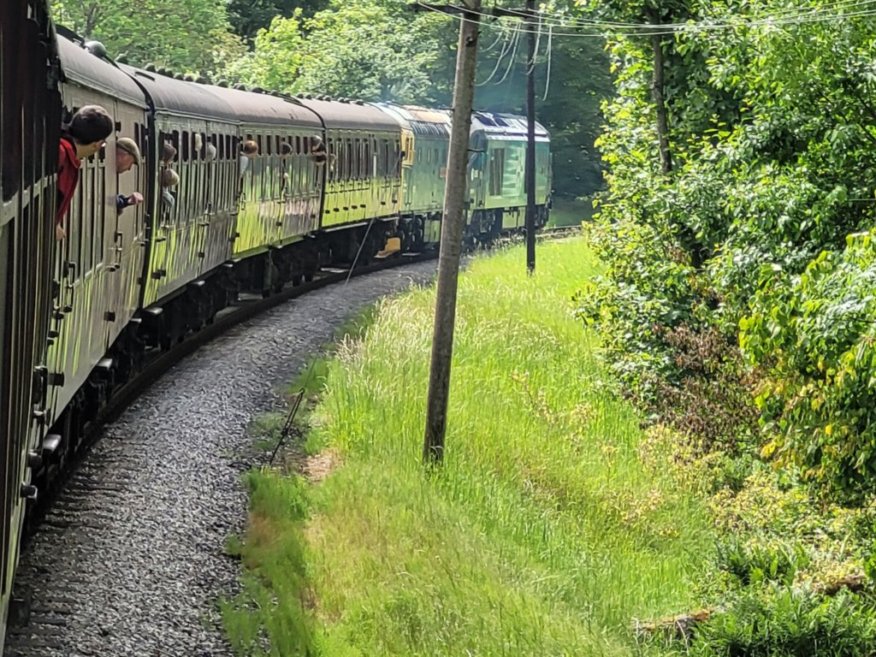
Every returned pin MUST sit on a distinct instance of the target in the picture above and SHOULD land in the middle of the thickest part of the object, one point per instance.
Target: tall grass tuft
(544, 533)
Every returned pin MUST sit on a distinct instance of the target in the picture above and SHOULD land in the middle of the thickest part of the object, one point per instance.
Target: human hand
(60, 233)
(135, 199)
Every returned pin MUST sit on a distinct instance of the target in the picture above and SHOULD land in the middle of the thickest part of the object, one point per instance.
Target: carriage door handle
(117, 250)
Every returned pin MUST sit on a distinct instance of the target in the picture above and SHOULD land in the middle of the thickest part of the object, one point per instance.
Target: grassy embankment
(550, 528)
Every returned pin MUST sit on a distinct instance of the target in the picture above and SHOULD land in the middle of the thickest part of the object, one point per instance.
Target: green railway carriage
(425, 143)
(190, 224)
(497, 188)
(363, 170)
(99, 263)
(279, 186)
(29, 126)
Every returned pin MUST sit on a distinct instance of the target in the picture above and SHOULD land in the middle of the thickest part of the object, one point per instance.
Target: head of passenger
(210, 152)
(169, 178)
(285, 149)
(127, 154)
(168, 152)
(88, 130)
(250, 148)
(316, 143)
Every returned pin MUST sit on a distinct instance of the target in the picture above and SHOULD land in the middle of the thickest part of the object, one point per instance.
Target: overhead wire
(601, 29)
(549, 57)
(509, 38)
(559, 19)
(512, 57)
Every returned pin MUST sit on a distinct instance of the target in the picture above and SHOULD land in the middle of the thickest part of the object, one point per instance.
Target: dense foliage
(770, 130)
(190, 36)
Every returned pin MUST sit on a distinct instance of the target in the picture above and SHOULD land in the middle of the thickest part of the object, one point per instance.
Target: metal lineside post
(452, 226)
(530, 140)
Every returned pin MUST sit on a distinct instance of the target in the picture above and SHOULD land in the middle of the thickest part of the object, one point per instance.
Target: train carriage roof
(420, 120)
(252, 107)
(351, 116)
(81, 67)
(181, 97)
(508, 126)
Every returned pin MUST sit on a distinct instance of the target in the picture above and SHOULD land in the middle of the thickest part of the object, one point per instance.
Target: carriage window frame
(334, 161)
(356, 159)
(185, 143)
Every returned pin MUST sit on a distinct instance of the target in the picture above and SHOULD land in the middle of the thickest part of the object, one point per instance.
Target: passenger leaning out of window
(249, 150)
(127, 155)
(81, 138)
(317, 150)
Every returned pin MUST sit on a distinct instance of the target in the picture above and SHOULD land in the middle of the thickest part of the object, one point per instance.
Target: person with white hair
(168, 179)
(127, 156)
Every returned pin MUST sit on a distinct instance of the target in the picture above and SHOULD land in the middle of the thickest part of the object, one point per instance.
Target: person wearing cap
(127, 155)
(82, 137)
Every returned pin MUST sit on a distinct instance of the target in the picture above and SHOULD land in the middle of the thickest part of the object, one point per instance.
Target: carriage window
(100, 210)
(388, 145)
(184, 156)
(366, 147)
(297, 146)
(497, 171)
(354, 159)
(174, 140)
(83, 225)
(75, 227)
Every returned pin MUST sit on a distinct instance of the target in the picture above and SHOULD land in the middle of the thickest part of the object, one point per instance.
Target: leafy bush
(754, 562)
(784, 623)
(817, 341)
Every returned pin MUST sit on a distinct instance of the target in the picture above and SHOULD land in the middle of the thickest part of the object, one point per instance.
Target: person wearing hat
(127, 155)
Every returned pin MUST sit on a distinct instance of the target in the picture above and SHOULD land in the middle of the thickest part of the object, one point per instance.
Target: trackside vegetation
(555, 524)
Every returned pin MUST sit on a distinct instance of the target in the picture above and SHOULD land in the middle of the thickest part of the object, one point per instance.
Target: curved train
(79, 317)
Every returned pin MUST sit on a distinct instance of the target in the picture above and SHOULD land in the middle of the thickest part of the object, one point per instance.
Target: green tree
(770, 125)
(191, 36)
(277, 56)
(249, 16)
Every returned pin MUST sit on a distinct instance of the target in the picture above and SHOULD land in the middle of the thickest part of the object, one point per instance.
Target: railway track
(85, 515)
(158, 362)
(129, 557)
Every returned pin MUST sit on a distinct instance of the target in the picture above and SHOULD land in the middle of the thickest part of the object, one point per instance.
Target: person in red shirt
(84, 136)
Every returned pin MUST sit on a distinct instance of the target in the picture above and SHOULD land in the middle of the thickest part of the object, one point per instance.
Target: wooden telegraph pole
(530, 140)
(452, 226)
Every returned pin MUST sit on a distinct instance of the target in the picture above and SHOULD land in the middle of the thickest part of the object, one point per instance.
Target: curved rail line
(246, 307)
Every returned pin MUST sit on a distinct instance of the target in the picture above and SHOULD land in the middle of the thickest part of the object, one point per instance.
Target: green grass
(543, 534)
